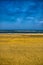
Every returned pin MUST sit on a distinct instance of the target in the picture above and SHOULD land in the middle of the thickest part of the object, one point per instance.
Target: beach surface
(21, 49)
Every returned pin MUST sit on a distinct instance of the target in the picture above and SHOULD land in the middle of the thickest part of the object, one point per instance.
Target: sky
(21, 14)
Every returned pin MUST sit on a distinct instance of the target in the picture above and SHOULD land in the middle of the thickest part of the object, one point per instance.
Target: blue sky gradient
(21, 14)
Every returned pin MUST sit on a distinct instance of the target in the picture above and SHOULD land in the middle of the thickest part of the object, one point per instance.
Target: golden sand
(21, 49)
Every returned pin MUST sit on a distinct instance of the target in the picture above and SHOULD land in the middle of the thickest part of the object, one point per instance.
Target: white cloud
(40, 22)
(30, 18)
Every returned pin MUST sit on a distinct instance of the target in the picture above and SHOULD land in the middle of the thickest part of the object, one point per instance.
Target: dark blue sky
(21, 14)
